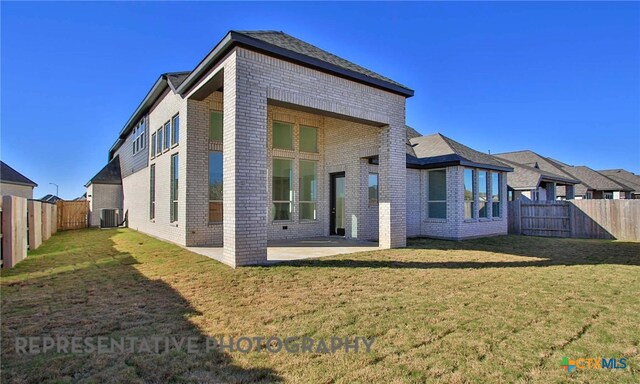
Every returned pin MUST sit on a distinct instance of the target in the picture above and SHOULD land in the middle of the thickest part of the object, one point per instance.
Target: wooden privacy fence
(591, 219)
(73, 214)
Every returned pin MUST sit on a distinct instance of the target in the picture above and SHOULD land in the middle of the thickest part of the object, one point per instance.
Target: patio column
(244, 166)
(570, 192)
(551, 191)
(392, 183)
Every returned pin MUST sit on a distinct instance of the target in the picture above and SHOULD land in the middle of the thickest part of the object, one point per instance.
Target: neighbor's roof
(532, 159)
(110, 174)
(438, 150)
(10, 175)
(50, 198)
(590, 179)
(525, 177)
(624, 177)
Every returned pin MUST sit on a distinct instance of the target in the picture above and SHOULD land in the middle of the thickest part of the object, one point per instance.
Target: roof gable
(110, 174)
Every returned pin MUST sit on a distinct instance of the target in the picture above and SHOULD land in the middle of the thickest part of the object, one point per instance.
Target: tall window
(373, 189)
(437, 194)
(469, 201)
(174, 188)
(496, 194)
(215, 126)
(153, 144)
(138, 136)
(160, 142)
(167, 135)
(281, 188)
(282, 135)
(308, 139)
(175, 130)
(215, 187)
(308, 189)
(482, 194)
(152, 192)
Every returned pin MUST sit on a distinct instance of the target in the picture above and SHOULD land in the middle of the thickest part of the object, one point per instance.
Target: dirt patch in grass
(502, 309)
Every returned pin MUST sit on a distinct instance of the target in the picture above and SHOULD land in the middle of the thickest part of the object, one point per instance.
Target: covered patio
(287, 250)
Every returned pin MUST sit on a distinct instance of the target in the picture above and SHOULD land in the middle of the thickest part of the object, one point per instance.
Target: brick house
(277, 139)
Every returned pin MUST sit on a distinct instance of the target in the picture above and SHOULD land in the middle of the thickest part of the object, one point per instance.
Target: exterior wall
(103, 196)
(9, 189)
(414, 202)
(130, 163)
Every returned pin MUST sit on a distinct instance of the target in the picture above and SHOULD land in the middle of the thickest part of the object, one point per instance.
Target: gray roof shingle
(110, 174)
(10, 175)
(592, 180)
(624, 177)
(526, 177)
(176, 78)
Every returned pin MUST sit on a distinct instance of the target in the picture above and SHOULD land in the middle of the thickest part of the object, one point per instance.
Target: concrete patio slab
(286, 250)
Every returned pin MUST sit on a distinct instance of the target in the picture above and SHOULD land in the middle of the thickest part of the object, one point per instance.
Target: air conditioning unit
(109, 218)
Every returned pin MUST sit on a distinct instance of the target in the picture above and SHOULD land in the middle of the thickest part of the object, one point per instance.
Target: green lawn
(503, 309)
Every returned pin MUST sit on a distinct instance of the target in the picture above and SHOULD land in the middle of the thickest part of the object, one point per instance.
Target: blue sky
(562, 79)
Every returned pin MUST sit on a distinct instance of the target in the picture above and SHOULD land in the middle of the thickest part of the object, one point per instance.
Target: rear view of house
(272, 138)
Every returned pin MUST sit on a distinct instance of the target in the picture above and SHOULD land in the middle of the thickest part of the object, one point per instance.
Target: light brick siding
(454, 226)
(10, 189)
(103, 196)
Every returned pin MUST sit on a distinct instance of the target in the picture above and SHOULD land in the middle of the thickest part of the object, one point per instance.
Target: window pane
(153, 145)
(160, 141)
(496, 193)
(175, 132)
(468, 209)
(438, 185)
(281, 211)
(281, 179)
(468, 193)
(215, 126)
(215, 211)
(308, 139)
(495, 209)
(282, 135)
(167, 135)
(152, 192)
(482, 193)
(215, 176)
(373, 188)
(307, 211)
(308, 182)
(438, 210)
(174, 188)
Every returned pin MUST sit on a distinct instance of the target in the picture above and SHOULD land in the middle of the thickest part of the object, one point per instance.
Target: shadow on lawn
(553, 251)
(104, 296)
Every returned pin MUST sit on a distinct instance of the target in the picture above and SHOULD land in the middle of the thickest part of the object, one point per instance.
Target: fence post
(54, 218)
(14, 230)
(46, 221)
(34, 212)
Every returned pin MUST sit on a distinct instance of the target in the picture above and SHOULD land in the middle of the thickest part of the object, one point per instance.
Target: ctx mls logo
(571, 365)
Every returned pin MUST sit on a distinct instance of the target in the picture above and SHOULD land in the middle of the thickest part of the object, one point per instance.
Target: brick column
(392, 183)
(244, 166)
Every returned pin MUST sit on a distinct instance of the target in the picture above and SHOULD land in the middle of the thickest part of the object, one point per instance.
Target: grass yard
(503, 309)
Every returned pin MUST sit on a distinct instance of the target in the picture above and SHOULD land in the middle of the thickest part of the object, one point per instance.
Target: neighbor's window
(308, 139)
(160, 142)
(282, 135)
(153, 144)
(437, 194)
(215, 125)
(496, 193)
(607, 195)
(175, 130)
(373, 189)
(167, 135)
(152, 192)
(215, 187)
(469, 200)
(174, 188)
(282, 174)
(308, 190)
(482, 194)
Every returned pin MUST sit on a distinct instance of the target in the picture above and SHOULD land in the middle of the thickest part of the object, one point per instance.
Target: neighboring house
(593, 185)
(14, 183)
(535, 177)
(50, 199)
(625, 178)
(453, 191)
(272, 138)
(104, 191)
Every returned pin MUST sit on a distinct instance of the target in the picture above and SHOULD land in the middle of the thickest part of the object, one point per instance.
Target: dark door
(337, 221)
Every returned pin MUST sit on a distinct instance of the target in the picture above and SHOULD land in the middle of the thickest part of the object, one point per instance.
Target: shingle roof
(110, 174)
(532, 159)
(176, 78)
(288, 42)
(437, 148)
(50, 198)
(593, 180)
(624, 177)
(526, 177)
(10, 175)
